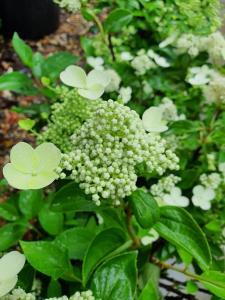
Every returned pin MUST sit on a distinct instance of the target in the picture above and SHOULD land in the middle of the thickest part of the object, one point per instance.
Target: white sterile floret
(159, 60)
(10, 265)
(188, 43)
(114, 81)
(169, 40)
(125, 94)
(170, 111)
(126, 56)
(142, 63)
(32, 168)
(214, 92)
(175, 198)
(212, 180)
(96, 62)
(150, 238)
(89, 86)
(200, 75)
(152, 120)
(107, 148)
(202, 197)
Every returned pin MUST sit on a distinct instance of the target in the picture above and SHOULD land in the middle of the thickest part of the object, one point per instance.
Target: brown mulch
(66, 38)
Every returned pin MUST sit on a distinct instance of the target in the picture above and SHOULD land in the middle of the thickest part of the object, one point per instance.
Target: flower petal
(74, 76)
(23, 158)
(97, 77)
(49, 156)
(11, 264)
(41, 180)
(94, 92)
(16, 178)
(152, 120)
(7, 285)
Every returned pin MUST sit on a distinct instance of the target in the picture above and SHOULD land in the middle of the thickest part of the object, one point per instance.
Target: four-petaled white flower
(96, 62)
(202, 197)
(200, 75)
(175, 198)
(32, 168)
(152, 120)
(10, 265)
(126, 56)
(159, 60)
(89, 86)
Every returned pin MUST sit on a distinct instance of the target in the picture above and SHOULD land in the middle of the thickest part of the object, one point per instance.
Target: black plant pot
(31, 19)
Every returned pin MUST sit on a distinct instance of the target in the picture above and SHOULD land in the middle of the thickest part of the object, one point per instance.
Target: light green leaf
(24, 51)
(118, 19)
(17, 82)
(30, 202)
(150, 290)
(26, 124)
(71, 198)
(178, 227)
(116, 278)
(76, 241)
(103, 244)
(51, 222)
(214, 281)
(37, 63)
(48, 258)
(144, 207)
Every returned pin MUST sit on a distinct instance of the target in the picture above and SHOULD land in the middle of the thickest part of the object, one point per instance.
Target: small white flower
(150, 238)
(32, 168)
(222, 168)
(175, 198)
(199, 75)
(202, 197)
(89, 86)
(168, 41)
(126, 56)
(114, 81)
(96, 62)
(159, 60)
(125, 94)
(152, 120)
(10, 265)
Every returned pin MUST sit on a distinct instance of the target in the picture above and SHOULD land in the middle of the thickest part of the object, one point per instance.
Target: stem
(111, 47)
(131, 231)
(100, 27)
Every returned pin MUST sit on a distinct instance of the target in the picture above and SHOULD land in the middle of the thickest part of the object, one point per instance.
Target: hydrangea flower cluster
(212, 180)
(69, 5)
(107, 148)
(86, 295)
(166, 192)
(67, 116)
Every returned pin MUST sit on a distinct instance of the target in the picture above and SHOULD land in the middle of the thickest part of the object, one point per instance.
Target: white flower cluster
(202, 196)
(170, 110)
(200, 75)
(96, 62)
(145, 61)
(86, 295)
(166, 192)
(69, 5)
(214, 45)
(212, 180)
(114, 82)
(107, 148)
(19, 294)
(125, 94)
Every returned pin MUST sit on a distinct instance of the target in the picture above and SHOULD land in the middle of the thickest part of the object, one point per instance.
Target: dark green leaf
(54, 289)
(144, 207)
(10, 234)
(17, 82)
(8, 211)
(116, 278)
(103, 244)
(56, 63)
(72, 198)
(24, 51)
(48, 258)
(30, 202)
(51, 222)
(178, 227)
(151, 289)
(117, 19)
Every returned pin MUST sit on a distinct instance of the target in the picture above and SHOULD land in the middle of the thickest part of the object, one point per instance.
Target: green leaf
(54, 289)
(178, 227)
(87, 46)
(30, 202)
(26, 124)
(214, 281)
(144, 207)
(102, 245)
(191, 287)
(8, 211)
(17, 82)
(37, 63)
(72, 198)
(24, 51)
(56, 63)
(151, 289)
(47, 258)
(51, 222)
(10, 234)
(116, 278)
(117, 19)
(76, 240)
